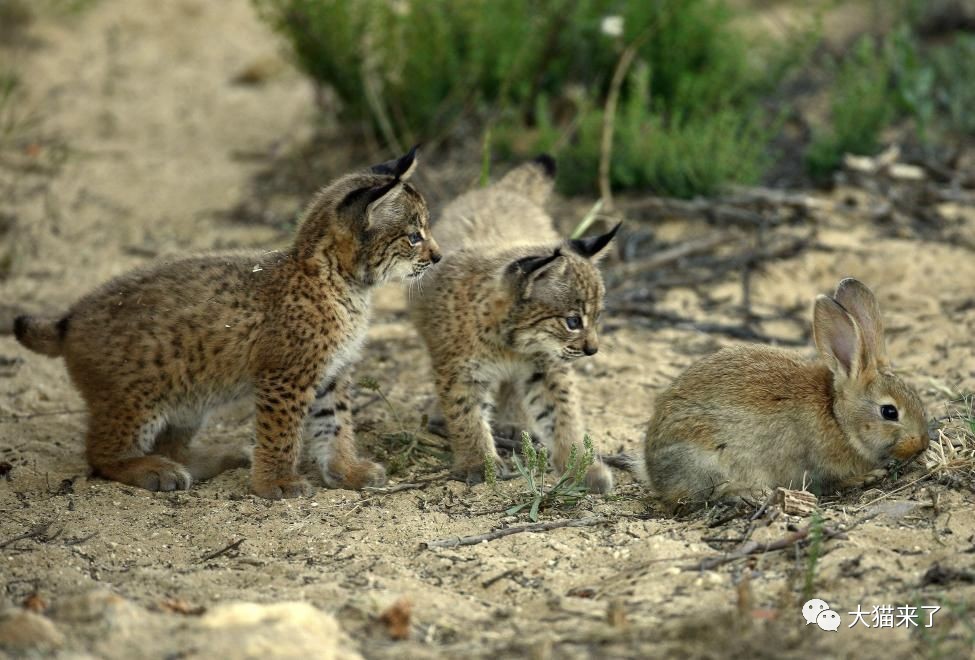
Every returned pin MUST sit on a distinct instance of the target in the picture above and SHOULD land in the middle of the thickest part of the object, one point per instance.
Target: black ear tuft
(528, 265)
(590, 247)
(397, 167)
(547, 163)
(366, 196)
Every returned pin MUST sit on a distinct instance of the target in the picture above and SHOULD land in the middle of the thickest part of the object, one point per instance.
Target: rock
(102, 607)
(23, 629)
(280, 630)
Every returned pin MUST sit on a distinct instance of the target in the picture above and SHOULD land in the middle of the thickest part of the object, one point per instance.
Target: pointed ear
(838, 338)
(530, 270)
(590, 247)
(362, 203)
(380, 197)
(402, 168)
(862, 305)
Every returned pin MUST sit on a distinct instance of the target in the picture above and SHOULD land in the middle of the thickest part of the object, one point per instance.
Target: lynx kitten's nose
(590, 350)
(435, 257)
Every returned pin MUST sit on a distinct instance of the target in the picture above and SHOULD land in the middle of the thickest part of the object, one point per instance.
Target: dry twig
(222, 551)
(508, 531)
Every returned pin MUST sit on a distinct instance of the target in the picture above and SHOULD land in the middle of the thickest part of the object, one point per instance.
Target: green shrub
(893, 78)
(862, 106)
(539, 71)
(679, 153)
(954, 85)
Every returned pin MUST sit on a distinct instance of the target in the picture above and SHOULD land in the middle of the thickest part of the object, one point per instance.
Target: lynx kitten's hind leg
(174, 441)
(116, 448)
(330, 435)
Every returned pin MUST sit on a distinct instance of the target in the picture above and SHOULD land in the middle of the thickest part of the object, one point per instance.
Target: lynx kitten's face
(399, 245)
(557, 316)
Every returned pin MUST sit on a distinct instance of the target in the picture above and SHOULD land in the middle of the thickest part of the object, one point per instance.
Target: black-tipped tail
(632, 463)
(41, 335)
(548, 164)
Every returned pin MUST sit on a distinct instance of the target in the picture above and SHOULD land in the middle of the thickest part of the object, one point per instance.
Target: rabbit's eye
(889, 412)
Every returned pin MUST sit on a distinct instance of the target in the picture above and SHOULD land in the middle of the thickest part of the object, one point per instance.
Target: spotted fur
(153, 351)
(494, 316)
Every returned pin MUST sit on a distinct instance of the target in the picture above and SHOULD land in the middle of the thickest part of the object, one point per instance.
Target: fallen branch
(709, 210)
(508, 531)
(798, 537)
(727, 329)
(14, 418)
(35, 533)
(387, 490)
(676, 253)
(222, 551)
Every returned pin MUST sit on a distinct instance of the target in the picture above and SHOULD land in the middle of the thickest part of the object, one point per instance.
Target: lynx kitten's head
(558, 300)
(385, 214)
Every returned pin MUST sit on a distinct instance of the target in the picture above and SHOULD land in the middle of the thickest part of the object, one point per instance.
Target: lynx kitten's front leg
(465, 406)
(281, 407)
(553, 410)
(331, 439)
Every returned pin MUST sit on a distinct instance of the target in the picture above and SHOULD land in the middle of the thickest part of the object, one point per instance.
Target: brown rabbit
(753, 417)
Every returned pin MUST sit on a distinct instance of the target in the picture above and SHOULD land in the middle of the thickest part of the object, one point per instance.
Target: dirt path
(138, 97)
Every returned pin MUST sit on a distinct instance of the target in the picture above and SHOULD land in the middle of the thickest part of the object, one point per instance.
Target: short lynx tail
(41, 335)
(534, 179)
(635, 465)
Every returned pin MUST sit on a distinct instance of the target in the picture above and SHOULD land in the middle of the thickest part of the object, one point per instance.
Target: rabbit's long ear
(862, 305)
(838, 338)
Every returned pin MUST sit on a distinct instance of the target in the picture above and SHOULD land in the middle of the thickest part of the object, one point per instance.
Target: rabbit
(751, 418)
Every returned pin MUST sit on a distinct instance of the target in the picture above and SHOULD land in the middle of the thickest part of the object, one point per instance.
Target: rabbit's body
(750, 418)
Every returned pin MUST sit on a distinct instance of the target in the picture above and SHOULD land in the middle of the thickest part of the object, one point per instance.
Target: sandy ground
(145, 144)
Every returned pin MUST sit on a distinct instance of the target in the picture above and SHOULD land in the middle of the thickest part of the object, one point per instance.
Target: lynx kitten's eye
(573, 322)
(889, 412)
(415, 238)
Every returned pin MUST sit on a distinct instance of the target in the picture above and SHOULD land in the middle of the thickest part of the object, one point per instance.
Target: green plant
(954, 84)
(405, 441)
(567, 490)
(954, 633)
(536, 74)
(490, 472)
(813, 552)
(861, 107)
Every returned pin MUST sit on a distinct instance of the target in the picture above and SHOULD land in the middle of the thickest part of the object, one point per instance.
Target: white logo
(817, 611)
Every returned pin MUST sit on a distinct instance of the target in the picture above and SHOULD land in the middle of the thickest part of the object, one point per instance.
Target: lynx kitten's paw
(287, 488)
(152, 473)
(363, 474)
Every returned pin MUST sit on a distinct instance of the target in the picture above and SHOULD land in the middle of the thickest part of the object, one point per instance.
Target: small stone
(23, 629)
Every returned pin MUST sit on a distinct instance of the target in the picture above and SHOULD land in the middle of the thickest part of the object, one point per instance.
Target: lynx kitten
(153, 351)
(505, 315)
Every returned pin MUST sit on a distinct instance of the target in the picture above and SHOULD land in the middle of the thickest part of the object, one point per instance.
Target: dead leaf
(180, 606)
(34, 603)
(396, 618)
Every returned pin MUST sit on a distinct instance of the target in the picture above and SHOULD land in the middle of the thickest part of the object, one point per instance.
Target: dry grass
(952, 452)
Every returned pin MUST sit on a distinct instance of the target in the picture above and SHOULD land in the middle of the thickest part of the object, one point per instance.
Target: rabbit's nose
(910, 447)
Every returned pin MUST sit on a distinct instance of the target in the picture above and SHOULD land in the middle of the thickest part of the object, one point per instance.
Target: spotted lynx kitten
(153, 351)
(504, 316)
